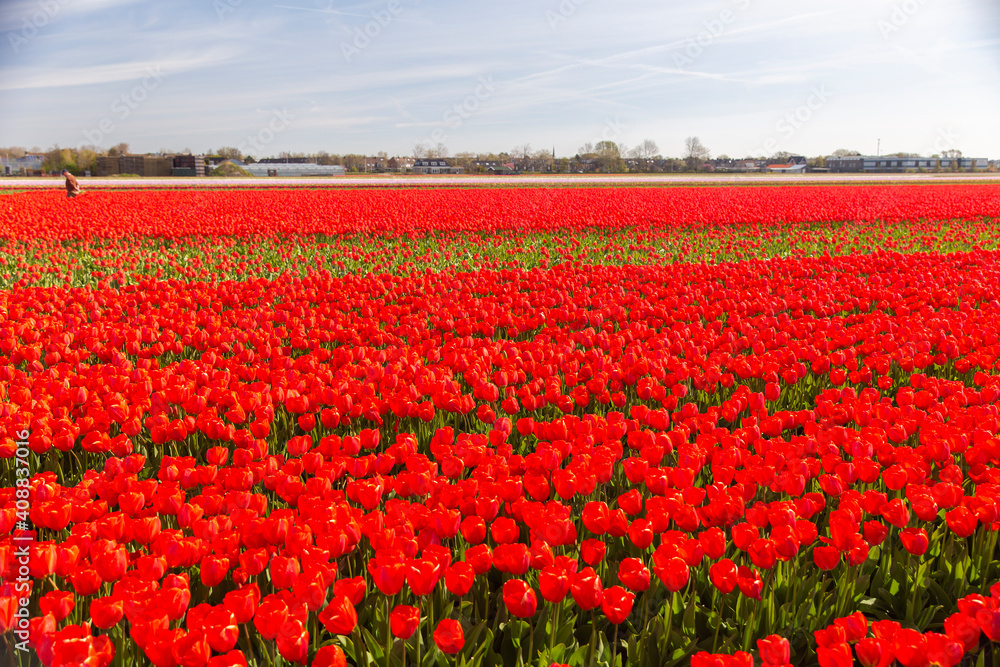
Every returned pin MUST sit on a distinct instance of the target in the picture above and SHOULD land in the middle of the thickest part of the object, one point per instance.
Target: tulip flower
(449, 637)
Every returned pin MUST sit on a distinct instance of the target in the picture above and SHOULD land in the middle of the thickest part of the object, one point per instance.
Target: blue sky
(747, 77)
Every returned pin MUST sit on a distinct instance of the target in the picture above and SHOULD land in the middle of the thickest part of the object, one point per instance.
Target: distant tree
(609, 157)
(781, 157)
(464, 159)
(586, 149)
(647, 149)
(695, 153)
(12, 152)
(354, 162)
(118, 149)
(438, 151)
(542, 160)
(57, 159)
(844, 152)
(230, 153)
(325, 158)
(86, 159)
(420, 151)
(954, 154)
(673, 164)
(521, 152)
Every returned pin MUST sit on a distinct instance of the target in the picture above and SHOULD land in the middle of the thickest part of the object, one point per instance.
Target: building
(796, 164)
(138, 165)
(435, 166)
(288, 160)
(882, 164)
(189, 166)
(295, 169)
(400, 164)
(494, 167)
(377, 164)
(28, 165)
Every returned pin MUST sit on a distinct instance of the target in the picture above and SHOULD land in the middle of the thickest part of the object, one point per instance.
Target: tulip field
(706, 426)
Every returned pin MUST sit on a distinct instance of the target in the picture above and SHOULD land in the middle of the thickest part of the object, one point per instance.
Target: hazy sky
(746, 76)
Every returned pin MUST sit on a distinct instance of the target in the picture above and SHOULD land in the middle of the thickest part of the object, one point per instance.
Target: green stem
(555, 625)
(669, 619)
(531, 640)
(388, 632)
(593, 639)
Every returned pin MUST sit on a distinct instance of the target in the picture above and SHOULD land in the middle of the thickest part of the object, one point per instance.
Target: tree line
(603, 157)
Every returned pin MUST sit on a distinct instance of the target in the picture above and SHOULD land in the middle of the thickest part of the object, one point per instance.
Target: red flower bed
(766, 460)
(48, 215)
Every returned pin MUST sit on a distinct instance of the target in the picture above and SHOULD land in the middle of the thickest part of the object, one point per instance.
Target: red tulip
(874, 652)
(616, 603)
(774, 650)
(910, 647)
(214, 570)
(673, 572)
(826, 558)
(449, 637)
(480, 558)
(943, 650)
(519, 598)
(221, 630)
(339, 617)
(270, 617)
(553, 583)
(243, 602)
(106, 612)
(293, 641)
(592, 551)
(633, 573)
(458, 579)
(961, 521)
(914, 540)
(403, 621)
(713, 541)
(330, 655)
(749, 582)
(724, 575)
(964, 629)
(587, 589)
(57, 603)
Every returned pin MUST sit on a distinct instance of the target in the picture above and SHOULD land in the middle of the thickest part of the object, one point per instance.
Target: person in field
(72, 185)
